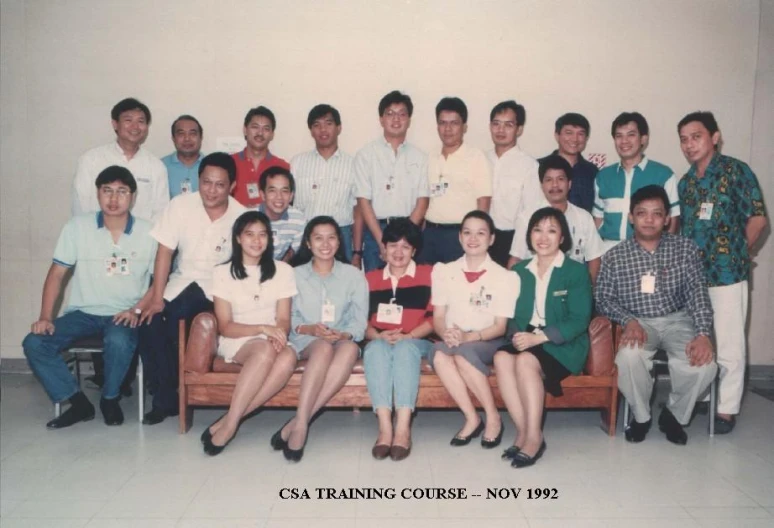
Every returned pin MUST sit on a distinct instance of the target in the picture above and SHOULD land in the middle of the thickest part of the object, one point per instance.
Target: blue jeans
(346, 242)
(159, 345)
(395, 368)
(44, 353)
(371, 256)
(440, 244)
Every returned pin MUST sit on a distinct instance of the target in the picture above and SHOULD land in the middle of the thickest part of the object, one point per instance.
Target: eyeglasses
(507, 124)
(400, 115)
(109, 192)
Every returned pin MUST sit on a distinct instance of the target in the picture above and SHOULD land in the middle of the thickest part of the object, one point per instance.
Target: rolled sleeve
(362, 176)
(670, 186)
(438, 290)
(66, 251)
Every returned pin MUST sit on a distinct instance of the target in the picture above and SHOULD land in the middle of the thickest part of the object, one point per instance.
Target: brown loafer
(398, 453)
(380, 451)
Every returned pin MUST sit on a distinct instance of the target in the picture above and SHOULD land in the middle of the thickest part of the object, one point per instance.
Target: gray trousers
(671, 333)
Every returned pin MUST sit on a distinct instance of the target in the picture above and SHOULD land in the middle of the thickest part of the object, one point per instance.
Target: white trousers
(730, 306)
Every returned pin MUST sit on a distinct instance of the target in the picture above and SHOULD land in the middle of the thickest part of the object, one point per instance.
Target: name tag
(389, 313)
(328, 312)
(439, 189)
(705, 212)
(123, 266)
(560, 293)
(252, 190)
(648, 284)
(111, 266)
(185, 186)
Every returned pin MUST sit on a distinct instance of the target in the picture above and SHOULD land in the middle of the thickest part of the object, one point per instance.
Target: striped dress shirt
(325, 187)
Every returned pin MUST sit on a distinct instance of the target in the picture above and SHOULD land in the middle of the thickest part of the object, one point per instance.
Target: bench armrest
(202, 343)
(601, 360)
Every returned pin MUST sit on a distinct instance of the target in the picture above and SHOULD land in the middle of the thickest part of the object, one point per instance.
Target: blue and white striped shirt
(286, 232)
(325, 187)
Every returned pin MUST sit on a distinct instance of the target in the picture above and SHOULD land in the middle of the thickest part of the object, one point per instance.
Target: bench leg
(610, 415)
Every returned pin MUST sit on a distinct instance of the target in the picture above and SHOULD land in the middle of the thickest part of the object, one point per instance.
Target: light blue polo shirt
(613, 189)
(181, 178)
(108, 277)
(286, 232)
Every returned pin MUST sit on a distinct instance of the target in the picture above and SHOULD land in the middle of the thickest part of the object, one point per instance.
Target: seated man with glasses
(113, 254)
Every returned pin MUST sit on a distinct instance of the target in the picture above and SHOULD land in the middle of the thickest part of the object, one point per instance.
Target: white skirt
(229, 346)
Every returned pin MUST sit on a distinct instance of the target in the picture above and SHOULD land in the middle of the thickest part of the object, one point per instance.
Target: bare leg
(505, 367)
(339, 369)
(402, 427)
(256, 358)
(446, 369)
(529, 383)
(479, 385)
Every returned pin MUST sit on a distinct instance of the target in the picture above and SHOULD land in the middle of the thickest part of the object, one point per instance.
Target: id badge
(389, 313)
(705, 212)
(328, 312)
(185, 186)
(438, 189)
(111, 266)
(648, 284)
(124, 266)
(252, 190)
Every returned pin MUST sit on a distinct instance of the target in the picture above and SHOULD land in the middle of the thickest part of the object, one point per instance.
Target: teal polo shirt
(181, 178)
(108, 277)
(613, 189)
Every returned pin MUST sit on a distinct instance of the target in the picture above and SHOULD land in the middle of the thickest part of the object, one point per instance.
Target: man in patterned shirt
(654, 287)
(723, 213)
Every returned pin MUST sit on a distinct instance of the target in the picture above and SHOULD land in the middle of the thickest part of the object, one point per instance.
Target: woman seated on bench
(329, 316)
(549, 332)
(252, 304)
(473, 297)
(400, 317)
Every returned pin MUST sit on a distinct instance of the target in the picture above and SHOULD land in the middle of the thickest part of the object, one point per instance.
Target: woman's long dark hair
(266, 263)
(304, 254)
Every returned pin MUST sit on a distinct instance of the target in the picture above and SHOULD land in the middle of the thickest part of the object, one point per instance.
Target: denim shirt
(345, 288)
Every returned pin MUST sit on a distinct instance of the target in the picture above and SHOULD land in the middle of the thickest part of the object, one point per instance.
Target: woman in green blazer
(549, 332)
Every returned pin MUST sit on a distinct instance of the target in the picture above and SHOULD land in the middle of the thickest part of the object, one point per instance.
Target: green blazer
(567, 311)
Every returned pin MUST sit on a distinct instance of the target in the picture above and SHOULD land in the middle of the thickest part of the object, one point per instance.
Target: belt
(428, 223)
(390, 219)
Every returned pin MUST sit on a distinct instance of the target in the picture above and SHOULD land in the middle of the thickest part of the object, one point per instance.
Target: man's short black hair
(128, 104)
(221, 160)
(322, 110)
(261, 111)
(452, 104)
(549, 212)
(521, 114)
(630, 117)
(115, 173)
(649, 192)
(403, 228)
(187, 117)
(572, 119)
(556, 162)
(271, 172)
(395, 97)
(705, 118)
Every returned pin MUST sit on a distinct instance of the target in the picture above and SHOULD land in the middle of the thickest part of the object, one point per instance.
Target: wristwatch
(358, 252)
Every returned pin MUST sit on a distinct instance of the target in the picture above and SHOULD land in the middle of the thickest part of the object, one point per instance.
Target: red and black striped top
(413, 293)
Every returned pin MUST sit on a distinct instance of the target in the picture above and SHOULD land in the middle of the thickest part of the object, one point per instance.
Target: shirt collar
(243, 155)
(335, 154)
(642, 164)
(484, 265)
(410, 271)
(175, 159)
(388, 145)
(459, 152)
(710, 168)
(283, 216)
(558, 262)
(127, 229)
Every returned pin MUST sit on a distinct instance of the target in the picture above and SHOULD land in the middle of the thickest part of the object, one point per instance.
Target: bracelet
(358, 252)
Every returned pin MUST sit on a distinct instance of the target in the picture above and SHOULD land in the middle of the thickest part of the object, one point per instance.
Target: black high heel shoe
(277, 442)
(521, 459)
(465, 440)
(294, 455)
(207, 434)
(490, 444)
(213, 449)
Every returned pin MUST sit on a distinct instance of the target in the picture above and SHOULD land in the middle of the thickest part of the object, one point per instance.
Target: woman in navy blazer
(549, 332)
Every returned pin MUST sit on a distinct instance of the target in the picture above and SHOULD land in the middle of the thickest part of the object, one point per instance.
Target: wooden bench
(207, 380)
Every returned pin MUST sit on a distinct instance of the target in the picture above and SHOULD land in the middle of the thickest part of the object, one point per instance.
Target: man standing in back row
(183, 164)
(723, 213)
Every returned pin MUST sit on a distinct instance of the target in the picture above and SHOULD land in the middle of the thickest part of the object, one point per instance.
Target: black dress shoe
(207, 434)
(668, 424)
(521, 459)
(82, 412)
(294, 455)
(723, 426)
(381, 451)
(509, 453)
(277, 443)
(156, 416)
(636, 431)
(465, 440)
(490, 444)
(111, 411)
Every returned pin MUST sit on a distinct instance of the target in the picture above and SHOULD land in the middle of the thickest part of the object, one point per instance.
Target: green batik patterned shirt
(715, 211)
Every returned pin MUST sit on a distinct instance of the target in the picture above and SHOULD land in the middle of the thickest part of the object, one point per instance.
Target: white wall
(64, 64)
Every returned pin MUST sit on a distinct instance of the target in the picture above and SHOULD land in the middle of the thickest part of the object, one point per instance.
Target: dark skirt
(553, 371)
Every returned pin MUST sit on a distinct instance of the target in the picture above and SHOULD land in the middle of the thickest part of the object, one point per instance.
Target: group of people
(471, 260)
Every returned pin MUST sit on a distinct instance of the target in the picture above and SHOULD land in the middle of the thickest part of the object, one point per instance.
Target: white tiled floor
(152, 477)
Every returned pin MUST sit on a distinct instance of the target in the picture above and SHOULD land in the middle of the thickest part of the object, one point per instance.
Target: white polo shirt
(148, 170)
(586, 242)
(109, 276)
(201, 243)
(516, 186)
(473, 306)
(253, 302)
(456, 183)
